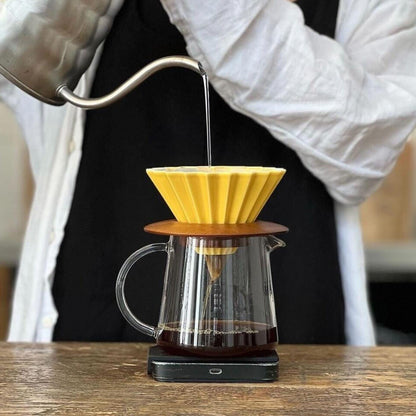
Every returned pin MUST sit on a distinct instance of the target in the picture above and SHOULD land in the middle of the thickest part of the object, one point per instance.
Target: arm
(345, 106)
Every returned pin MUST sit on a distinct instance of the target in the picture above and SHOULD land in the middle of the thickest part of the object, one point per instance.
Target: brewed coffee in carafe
(229, 313)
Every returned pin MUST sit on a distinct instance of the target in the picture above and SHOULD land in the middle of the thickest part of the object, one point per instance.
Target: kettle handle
(121, 279)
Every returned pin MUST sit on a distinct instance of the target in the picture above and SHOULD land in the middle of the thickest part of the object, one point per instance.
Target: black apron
(162, 124)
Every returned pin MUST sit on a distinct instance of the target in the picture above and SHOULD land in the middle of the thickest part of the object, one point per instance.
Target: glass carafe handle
(121, 279)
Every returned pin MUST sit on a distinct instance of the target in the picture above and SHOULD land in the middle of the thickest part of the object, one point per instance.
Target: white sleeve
(8, 93)
(345, 106)
(29, 114)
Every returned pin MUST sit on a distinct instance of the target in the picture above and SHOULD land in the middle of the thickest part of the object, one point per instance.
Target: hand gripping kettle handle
(121, 279)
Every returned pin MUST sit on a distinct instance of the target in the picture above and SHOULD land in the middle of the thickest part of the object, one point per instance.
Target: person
(334, 112)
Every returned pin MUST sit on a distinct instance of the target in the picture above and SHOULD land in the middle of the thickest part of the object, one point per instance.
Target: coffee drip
(207, 115)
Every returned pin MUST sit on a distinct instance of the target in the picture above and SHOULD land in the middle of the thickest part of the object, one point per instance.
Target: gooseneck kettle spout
(46, 46)
(131, 83)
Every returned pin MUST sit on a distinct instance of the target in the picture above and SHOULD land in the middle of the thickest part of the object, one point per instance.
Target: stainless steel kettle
(46, 46)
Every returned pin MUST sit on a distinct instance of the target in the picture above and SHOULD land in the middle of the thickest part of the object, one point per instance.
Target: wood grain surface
(111, 379)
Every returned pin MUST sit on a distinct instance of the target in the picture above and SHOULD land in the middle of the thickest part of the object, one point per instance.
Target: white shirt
(345, 106)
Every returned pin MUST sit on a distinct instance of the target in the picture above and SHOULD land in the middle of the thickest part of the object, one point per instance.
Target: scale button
(215, 371)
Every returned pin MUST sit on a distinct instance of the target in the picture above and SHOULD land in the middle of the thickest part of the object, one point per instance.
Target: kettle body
(47, 44)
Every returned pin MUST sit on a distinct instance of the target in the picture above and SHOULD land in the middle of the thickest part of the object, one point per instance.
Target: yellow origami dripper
(217, 194)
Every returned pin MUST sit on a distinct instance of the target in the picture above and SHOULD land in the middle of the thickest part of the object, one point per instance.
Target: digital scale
(263, 366)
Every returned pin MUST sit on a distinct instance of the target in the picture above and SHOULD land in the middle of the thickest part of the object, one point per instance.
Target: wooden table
(111, 379)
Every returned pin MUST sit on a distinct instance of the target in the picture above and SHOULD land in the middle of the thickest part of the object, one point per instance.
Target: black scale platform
(165, 366)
